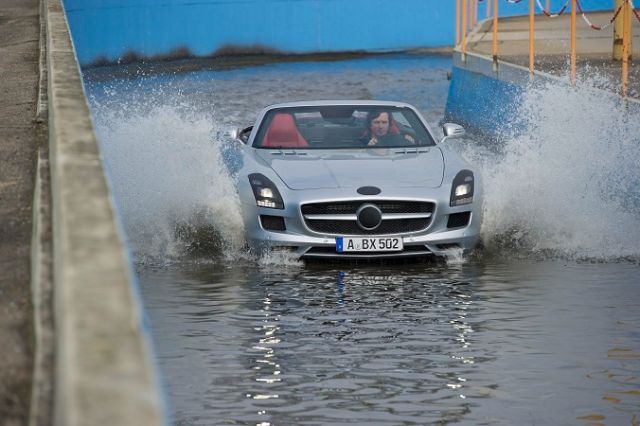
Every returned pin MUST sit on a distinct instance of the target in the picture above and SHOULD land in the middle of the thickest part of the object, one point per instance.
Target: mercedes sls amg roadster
(353, 179)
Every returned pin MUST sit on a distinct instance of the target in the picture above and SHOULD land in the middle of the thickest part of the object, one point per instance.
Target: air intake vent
(458, 220)
(272, 223)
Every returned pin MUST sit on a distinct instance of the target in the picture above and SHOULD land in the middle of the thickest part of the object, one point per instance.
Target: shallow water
(481, 343)
(539, 327)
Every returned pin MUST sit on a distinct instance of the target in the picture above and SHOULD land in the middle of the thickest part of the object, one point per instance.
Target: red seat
(283, 133)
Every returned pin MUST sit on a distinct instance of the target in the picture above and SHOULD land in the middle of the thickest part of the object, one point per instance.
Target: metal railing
(467, 15)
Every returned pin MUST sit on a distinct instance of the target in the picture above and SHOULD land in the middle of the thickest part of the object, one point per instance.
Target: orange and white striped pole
(626, 41)
(532, 24)
(573, 42)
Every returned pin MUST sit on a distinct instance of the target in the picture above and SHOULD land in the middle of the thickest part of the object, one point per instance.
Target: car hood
(372, 167)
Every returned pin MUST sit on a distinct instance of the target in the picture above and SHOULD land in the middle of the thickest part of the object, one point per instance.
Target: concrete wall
(104, 372)
(487, 100)
(109, 29)
(477, 99)
(481, 98)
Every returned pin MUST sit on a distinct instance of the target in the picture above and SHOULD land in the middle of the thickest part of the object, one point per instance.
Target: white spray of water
(563, 184)
(568, 185)
(455, 256)
(165, 170)
(277, 259)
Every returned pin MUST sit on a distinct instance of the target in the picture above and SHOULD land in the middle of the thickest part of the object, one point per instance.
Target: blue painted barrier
(109, 29)
(488, 100)
(481, 101)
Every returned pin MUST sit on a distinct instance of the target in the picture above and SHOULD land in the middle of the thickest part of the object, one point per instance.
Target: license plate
(345, 244)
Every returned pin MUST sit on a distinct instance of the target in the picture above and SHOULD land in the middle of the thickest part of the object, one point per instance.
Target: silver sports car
(353, 179)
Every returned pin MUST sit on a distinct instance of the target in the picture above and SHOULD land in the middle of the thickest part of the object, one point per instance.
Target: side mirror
(243, 134)
(452, 131)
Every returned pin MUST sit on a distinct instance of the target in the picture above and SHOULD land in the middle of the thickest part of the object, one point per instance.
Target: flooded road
(477, 343)
(538, 327)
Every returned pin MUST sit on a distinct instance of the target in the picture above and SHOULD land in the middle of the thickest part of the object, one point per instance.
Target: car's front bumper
(436, 239)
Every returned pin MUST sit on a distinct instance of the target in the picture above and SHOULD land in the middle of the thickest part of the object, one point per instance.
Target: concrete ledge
(41, 409)
(42, 293)
(104, 372)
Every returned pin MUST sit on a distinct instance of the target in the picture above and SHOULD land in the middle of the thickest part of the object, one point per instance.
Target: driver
(382, 131)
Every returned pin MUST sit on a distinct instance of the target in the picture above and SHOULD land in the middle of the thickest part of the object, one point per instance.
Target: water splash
(173, 194)
(564, 183)
(276, 259)
(567, 184)
(455, 257)
(158, 138)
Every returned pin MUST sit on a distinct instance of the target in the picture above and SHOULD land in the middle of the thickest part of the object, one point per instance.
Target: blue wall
(482, 102)
(111, 28)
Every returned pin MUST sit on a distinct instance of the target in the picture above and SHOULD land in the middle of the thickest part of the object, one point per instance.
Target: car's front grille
(351, 227)
(339, 218)
(350, 207)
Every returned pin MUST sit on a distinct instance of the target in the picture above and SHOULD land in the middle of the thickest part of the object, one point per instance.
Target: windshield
(341, 126)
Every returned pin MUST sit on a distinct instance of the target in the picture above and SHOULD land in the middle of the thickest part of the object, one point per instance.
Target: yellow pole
(626, 38)
(495, 32)
(573, 42)
(618, 28)
(531, 34)
(457, 22)
(464, 28)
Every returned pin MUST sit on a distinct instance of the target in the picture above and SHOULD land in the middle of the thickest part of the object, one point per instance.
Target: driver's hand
(373, 141)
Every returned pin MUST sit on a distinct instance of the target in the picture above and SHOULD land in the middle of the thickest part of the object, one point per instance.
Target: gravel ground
(19, 47)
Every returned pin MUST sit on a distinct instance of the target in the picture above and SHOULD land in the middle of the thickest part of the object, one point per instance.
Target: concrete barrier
(487, 99)
(104, 373)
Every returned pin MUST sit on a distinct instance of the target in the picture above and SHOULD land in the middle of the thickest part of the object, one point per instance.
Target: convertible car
(353, 179)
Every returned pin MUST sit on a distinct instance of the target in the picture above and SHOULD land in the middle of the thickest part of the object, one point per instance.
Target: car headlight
(462, 188)
(265, 192)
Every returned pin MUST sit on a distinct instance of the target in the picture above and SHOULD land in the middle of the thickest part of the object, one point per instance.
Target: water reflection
(406, 344)
(324, 346)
